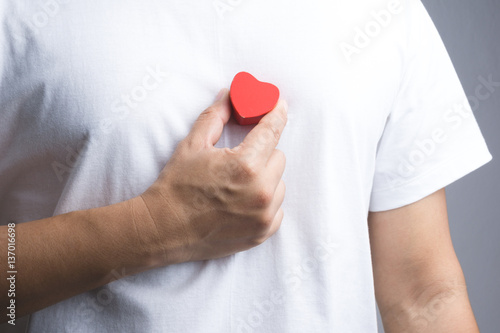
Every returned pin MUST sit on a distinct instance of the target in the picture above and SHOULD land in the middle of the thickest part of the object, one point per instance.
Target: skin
(419, 283)
(209, 203)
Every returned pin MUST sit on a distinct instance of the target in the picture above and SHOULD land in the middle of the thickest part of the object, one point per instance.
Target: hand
(212, 202)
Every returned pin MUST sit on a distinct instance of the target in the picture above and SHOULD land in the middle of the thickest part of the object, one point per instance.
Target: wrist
(160, 229)
(122, 234)
(146, 234)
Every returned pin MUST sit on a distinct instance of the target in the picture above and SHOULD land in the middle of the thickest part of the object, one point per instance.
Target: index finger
(264, 137)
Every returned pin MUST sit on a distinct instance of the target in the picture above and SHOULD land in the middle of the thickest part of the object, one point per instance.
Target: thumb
(207, 129)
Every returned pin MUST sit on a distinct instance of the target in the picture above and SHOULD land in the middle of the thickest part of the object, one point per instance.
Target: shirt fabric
(95, 96)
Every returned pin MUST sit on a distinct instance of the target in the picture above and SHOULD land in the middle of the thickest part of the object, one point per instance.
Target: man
(138, 214)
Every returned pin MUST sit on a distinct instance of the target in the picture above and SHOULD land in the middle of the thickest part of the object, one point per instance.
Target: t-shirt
(95, 95)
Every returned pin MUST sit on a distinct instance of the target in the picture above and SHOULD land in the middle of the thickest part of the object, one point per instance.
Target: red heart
(251, 98)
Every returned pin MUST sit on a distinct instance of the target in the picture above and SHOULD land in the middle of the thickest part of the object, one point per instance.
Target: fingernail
(220, 94)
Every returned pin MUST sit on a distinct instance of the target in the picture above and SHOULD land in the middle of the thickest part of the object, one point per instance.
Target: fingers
(207, 129)
(275, 211)
(275, 167)
(261, 141)
(278, 218)
(279, 197)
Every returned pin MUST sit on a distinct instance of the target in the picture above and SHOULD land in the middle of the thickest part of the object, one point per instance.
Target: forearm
(443, 308)
(65, 255)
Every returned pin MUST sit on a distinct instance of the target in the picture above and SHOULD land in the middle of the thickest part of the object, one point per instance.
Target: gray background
(471, 33)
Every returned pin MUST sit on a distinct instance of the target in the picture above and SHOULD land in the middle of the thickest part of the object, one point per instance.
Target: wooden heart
(252, 99)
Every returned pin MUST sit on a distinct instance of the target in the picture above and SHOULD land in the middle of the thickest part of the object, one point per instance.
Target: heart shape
(251, 98)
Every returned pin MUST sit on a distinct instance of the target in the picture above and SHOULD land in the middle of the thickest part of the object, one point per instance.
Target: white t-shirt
(95, 95)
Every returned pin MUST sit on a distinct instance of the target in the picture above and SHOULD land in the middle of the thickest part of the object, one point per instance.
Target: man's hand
(210, 202)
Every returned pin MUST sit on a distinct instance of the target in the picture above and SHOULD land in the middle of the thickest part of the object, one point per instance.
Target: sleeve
(431, 137)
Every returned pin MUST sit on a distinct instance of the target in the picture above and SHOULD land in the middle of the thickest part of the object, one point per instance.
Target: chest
(102, 68)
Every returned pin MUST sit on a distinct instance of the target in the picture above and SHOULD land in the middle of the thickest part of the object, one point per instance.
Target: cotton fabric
(95, 96)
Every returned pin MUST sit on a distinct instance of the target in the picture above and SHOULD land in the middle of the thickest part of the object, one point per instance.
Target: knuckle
(262, 227)
(261, 232)
(281, 155)
(267, 219)
(271, 132)
(276, 133)
(183, 148)
(209, 113)
(263, 198)
(279, 120)
(231, 161)
(245, 171)
(228, 152)
(256, 241)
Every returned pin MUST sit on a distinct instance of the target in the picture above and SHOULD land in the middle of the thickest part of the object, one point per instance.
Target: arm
(419, 284)
(61, 256)
(207, 203)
